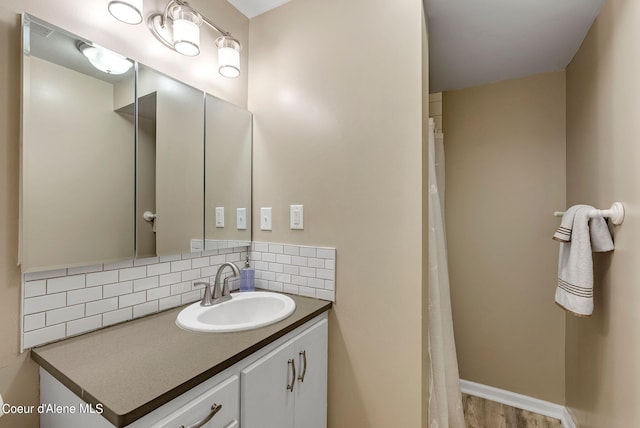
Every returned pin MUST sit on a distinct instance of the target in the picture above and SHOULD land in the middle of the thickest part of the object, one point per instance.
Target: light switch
(265, 218)
(219, 216)
(296, 218)
(241, 218)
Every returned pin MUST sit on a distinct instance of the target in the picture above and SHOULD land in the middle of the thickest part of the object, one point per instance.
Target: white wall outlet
(296, 218)
(241, 218)
(265, 218)
(219, 216)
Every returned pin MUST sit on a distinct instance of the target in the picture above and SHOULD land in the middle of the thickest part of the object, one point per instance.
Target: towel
(579, 236)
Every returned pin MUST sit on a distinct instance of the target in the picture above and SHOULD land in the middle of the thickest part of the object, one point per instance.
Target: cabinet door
(311, 382)
(226, 393)
(266, 401)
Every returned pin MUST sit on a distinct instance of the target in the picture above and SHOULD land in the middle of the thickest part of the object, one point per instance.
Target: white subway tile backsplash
(32, 322)
(261, 246)
(65, 283)
(158, 293)
(43, 335)
(269, 257)
(298, 280)
(57, 316)
(132, 299)
(326, 295)
(283, 258)
(315, 263)
(307, 252)
(276, 248)
(145, 283)
(170, 278)
(291, 250)
(35, 288)
(101, 306)
(276, 286)
(171, 258)
(145, 309)
(169, 302)
(200, 262)
(34, 276)
(66, 302)
(44, 303)
(190, 297)
(159, 269)
(133, 273)
(299, 261)
(307, 291)
(84, 295)
(121, 315)
(326, 253)
(102, 278)
(118, 289)
(276, 267)
(180, 265)
(190, 275)
(83, 325)
(146, 261)
(308, 272)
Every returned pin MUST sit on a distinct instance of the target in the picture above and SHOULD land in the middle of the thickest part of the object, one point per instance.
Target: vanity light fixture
(104, 59)
(178, 28)
(127, 11)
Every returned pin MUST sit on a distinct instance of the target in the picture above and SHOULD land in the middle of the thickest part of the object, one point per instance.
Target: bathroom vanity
(150, 373)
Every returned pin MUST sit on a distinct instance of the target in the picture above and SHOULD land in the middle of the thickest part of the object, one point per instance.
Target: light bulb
(228, 56)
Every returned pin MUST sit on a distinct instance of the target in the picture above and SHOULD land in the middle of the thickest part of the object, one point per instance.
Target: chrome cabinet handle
(292, 363)
(304, 370)
(215, 408)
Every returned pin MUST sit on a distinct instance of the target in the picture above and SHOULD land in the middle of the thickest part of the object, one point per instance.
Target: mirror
(170, 166)
(113, 165)
(77, 152)
(228, 174)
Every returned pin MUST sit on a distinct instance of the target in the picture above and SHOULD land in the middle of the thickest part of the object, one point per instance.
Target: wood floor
(481, 413)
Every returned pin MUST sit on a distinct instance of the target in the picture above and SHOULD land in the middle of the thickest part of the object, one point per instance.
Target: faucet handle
(207, 299)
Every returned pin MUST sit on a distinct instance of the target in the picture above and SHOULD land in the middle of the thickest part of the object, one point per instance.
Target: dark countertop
(135, 367)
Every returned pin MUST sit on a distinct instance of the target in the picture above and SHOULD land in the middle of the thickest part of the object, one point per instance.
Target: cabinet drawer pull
(215, 408)
(292, 363)
(304, 361)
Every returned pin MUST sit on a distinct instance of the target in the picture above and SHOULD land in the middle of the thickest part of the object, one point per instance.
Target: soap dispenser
(247, 277)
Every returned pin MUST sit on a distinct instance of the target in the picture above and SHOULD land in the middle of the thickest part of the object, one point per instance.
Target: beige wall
(337, 127)
(78, 159)
(603, 158)
(505, 176)
(18, 375)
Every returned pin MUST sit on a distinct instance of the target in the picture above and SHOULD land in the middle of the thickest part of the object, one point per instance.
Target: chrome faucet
(218, 295)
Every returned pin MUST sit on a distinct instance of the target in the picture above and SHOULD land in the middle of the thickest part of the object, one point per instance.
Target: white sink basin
(245, 311)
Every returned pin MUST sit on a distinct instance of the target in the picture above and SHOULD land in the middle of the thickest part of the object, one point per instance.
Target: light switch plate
(219, 216)
(241, 218)
(265, 218)
(296, 217)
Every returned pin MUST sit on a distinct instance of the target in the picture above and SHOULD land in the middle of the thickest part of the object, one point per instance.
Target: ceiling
(474, 42)
(251, 8)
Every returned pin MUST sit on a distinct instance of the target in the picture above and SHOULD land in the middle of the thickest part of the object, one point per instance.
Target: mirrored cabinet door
(228, 175)
(170, 166)
(77, 152)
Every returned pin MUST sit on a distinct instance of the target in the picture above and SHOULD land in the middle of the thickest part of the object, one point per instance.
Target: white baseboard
(519, 401)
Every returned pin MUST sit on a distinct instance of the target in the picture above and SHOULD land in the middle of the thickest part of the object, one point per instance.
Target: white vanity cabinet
(252, 392)
(287, 388)
(217, 408)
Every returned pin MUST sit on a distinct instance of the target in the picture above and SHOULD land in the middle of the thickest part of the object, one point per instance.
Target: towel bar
(615, 213)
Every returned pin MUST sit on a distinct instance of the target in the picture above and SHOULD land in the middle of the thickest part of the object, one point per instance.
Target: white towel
(579, 236)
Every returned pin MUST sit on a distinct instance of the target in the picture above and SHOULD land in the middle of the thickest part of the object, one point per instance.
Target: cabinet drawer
(226, 393)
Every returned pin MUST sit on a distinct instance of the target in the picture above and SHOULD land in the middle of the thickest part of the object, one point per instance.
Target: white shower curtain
(445, 400)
